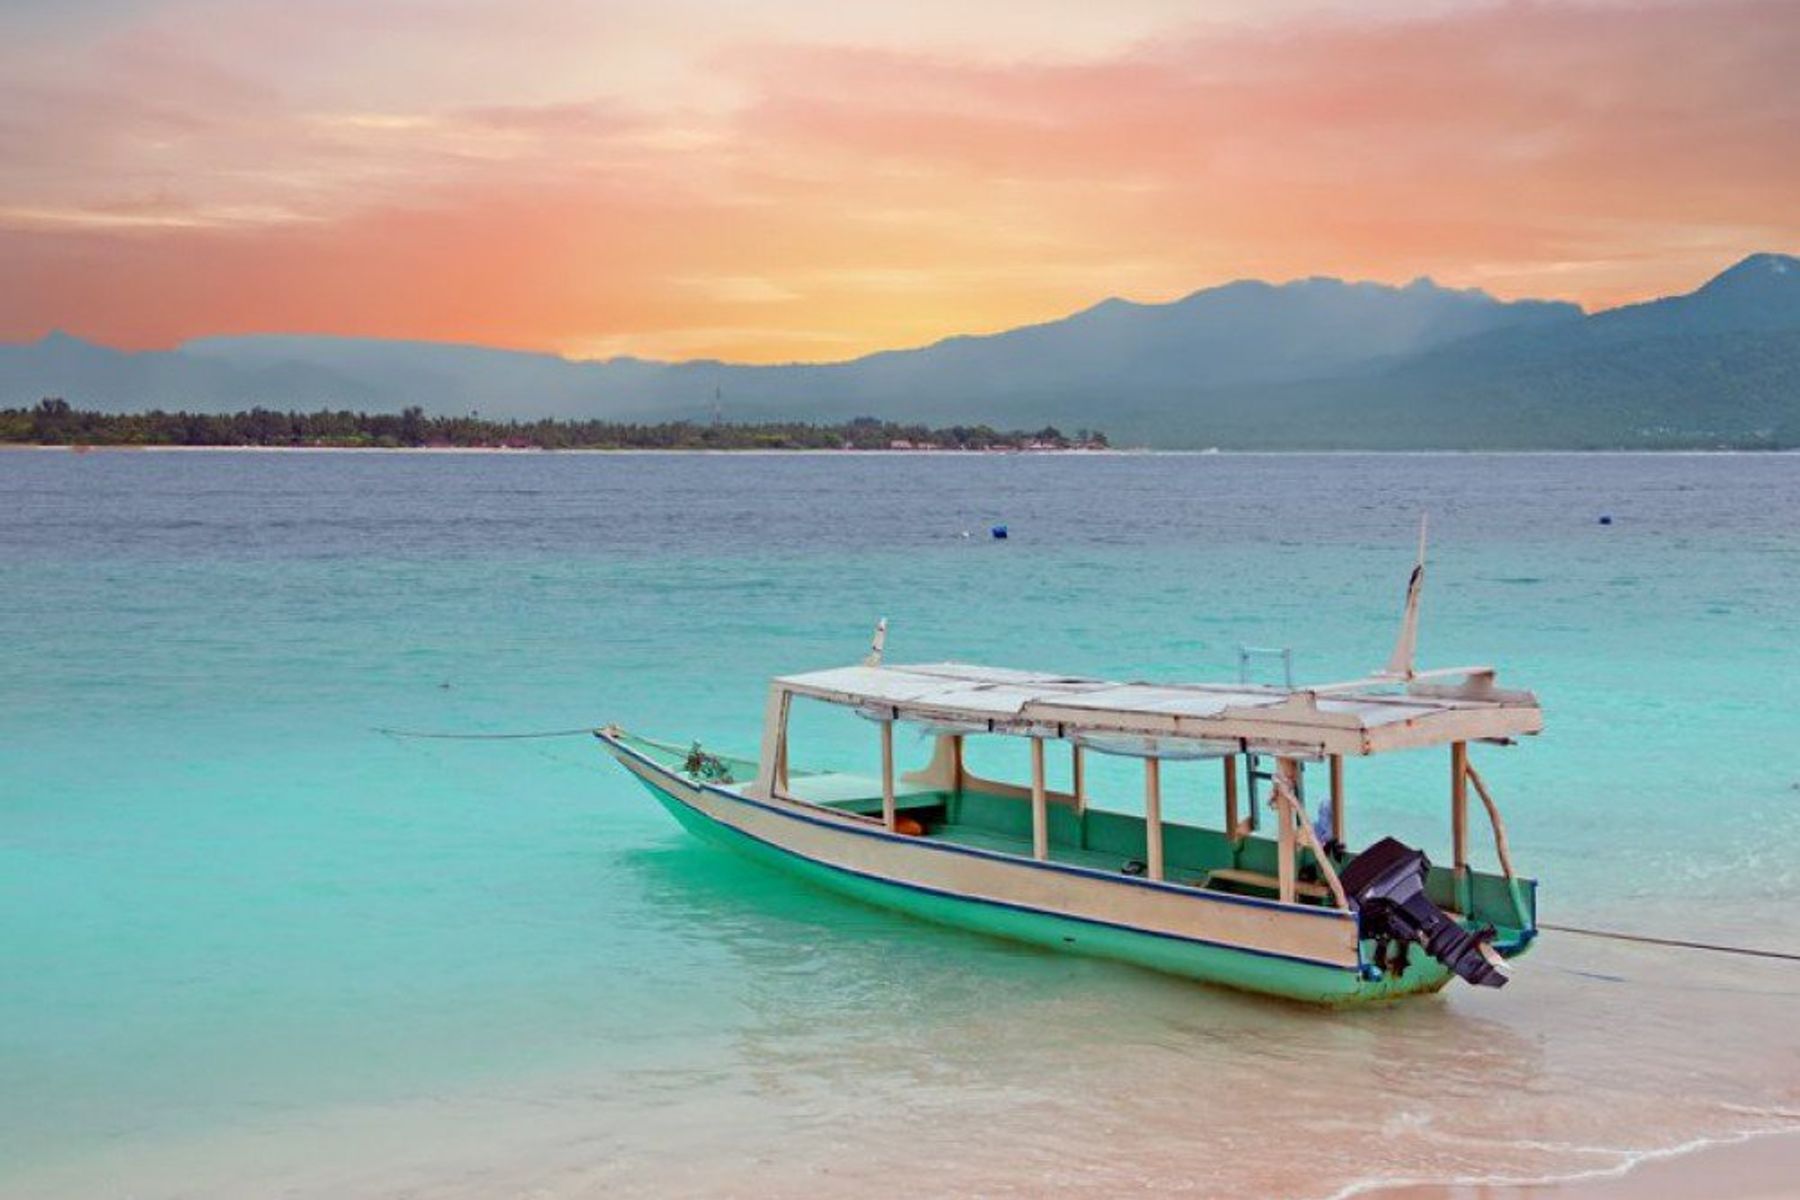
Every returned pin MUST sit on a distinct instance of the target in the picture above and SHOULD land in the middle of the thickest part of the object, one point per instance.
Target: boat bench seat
(1006, 843)
(871, 805)
(856, 793)
(1270, 883)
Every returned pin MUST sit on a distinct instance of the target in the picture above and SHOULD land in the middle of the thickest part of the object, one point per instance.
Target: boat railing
(1501, 850)
(1247, 654)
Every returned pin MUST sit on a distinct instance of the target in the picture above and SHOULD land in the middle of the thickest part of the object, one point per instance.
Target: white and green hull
(1303, 952)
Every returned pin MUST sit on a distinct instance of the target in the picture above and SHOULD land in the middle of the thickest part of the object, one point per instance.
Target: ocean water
(251, 947)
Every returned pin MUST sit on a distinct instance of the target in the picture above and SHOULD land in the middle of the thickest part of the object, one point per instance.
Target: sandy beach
(1764, 1167)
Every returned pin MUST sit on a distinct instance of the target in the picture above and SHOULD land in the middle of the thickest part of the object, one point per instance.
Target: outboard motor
(1386, 885)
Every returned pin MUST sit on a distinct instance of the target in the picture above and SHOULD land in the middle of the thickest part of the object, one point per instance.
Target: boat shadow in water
(833, 988)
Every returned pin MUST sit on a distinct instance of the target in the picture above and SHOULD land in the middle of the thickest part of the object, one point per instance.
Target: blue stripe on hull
(786, 812)
(1247, 969)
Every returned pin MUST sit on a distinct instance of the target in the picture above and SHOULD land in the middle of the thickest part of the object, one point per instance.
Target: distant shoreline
(1073, 452)
(527, 451)
(56, 422)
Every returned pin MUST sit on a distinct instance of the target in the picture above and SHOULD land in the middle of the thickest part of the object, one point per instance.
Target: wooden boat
(1288, 911)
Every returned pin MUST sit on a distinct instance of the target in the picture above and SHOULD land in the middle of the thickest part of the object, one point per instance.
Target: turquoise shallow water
(251, 946)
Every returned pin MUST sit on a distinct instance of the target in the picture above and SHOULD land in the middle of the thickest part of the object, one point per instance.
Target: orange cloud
(763, 198)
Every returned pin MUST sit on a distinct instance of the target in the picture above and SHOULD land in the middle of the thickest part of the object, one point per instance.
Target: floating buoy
(1606, 518)
(999, 532)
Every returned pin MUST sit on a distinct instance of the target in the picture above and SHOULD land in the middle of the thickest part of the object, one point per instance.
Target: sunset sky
(806, 179)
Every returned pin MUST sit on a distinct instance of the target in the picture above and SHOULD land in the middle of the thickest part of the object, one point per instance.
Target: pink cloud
(814, 200)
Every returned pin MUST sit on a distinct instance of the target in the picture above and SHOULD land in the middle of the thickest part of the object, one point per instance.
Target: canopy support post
(887, 774)
(1232, 830)
(1078, 777)
(1153, 830)
(1286, 769)
(1295, 818)
(1040, 808)
(956, 762)
(1234, 835)
(1337, 799)
(771, 768)
(1459, 823)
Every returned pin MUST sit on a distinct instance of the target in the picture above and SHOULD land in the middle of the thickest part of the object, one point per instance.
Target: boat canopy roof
(1368, 716)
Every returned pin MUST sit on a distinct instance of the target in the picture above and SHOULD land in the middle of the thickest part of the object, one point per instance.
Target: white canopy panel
(1365, 718)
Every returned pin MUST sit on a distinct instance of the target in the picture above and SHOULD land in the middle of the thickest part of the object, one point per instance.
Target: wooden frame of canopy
(1307, 729)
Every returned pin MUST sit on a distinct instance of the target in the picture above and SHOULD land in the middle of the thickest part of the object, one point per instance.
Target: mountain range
(1315, 363)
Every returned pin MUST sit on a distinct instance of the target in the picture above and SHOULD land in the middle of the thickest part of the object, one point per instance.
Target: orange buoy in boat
(908, 826)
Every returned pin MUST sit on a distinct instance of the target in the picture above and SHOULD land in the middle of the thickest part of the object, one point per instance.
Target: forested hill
(1317, 363)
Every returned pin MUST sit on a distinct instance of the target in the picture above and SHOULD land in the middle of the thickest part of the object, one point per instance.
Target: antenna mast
(1402, 663)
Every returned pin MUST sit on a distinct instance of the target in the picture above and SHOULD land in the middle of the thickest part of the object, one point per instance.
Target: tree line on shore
(54, 422)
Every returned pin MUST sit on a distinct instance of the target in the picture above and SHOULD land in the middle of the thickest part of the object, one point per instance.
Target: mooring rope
(484, 737)
(1614, 935)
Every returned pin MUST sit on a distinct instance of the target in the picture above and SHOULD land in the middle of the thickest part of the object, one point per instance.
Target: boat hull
(1305, 954)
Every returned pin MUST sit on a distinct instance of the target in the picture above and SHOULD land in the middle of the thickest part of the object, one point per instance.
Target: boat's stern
(1388, 885)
